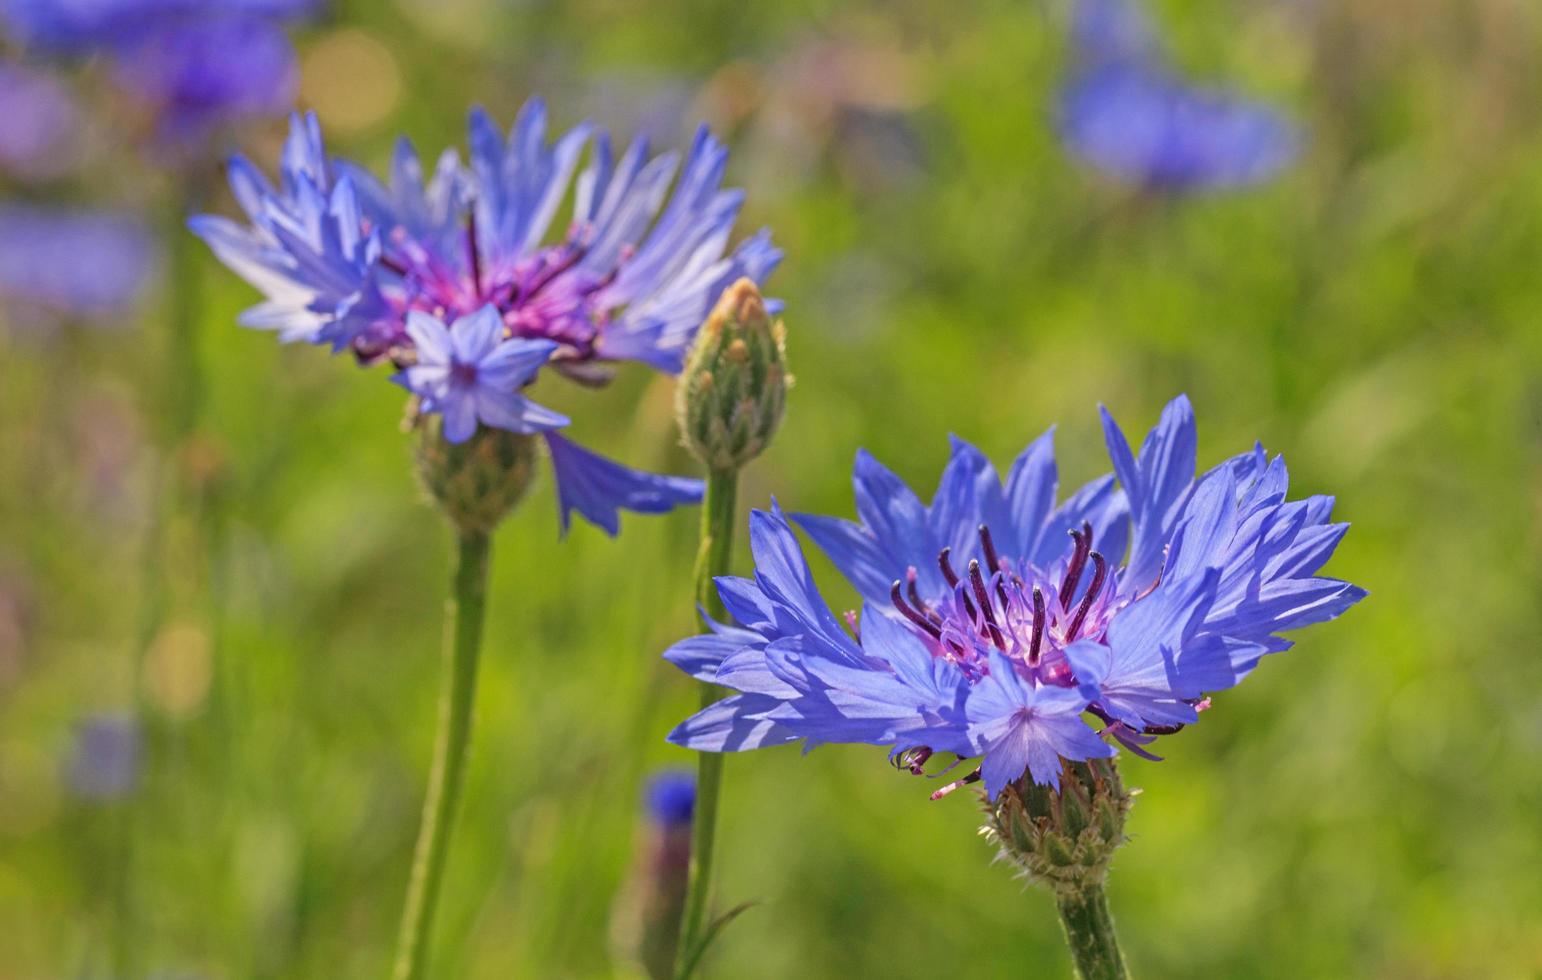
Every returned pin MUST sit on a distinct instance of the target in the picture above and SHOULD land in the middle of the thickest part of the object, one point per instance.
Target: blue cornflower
(199, 73)
(196, 64)
(470, 373)
(671, 798)
(994, 621)
(105, 758)
(64, 263)
(1125, 111)
(85, 25)
(345, 260)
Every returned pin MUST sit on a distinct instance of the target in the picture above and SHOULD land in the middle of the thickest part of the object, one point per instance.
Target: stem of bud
(712, 560)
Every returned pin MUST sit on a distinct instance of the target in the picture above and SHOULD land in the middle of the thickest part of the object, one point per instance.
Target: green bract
(1063, 838)
(476, 482)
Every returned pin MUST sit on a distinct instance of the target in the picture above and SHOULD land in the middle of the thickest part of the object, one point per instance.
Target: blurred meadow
(1368, 806)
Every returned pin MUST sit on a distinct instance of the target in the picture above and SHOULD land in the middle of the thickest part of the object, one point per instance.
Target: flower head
(671, 798)
(84, 25)
(1126, 112)
(378, 268)
(195, 64)
(645, 922)
(995, 621)
(197, 73)
(471, 373)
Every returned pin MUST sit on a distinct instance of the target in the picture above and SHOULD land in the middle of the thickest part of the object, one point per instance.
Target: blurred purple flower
(88, 264)
(346, 260)
(104, 759)
(205, 71)
(73, 26)
(645, 923)
(1128, 114)
(40, 121)
(671, 798)
(195, 63)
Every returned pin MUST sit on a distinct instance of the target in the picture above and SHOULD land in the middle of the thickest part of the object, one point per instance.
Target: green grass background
(1366, 805)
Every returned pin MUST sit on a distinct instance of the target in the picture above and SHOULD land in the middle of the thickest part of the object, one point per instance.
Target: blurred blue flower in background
(72, 26)
(104, 759)
(202, 72)
(1127, 113)
(645, 921)
(57, 263)
(671, 798)
(345, 260)
(985, 632)
(196, 64)
(38, 138)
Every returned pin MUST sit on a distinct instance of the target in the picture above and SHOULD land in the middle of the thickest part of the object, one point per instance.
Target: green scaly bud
(1063, 839)
(477, 482)
(734, 386)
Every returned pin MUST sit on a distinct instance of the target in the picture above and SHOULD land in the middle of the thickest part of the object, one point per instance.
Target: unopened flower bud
(734, 386)
(476, 482)
(1063, 838)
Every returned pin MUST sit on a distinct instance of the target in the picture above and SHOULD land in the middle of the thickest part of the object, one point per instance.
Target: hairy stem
(462, 643)
(1089, 931)
(717, 528)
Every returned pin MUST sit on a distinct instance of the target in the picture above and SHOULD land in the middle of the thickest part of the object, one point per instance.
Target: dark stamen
(476, 253)
(1038, 627)
(921, 621)
(985, 606)
(910, 590)
(386, 262)
(991, 561)
(1073, 571)
(947, 568)
(1162, 729)
(1097, 709)
(1099, 573)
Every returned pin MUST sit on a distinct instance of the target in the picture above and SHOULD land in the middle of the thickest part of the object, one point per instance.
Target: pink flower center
(1028, 614)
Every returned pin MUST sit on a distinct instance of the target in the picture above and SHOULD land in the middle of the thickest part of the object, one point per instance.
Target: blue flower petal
(599, 488)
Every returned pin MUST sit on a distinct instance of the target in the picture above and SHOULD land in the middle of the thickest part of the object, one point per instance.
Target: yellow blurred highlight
(351, 80)
(178, 670)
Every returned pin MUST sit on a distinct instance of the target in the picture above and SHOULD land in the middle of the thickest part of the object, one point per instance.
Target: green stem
(717, 535)
(1089, 931)
(463, 640)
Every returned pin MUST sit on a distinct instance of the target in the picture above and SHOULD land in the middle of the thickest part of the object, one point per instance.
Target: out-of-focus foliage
(1366, 806)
